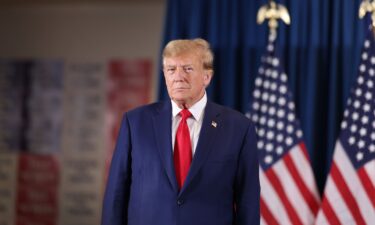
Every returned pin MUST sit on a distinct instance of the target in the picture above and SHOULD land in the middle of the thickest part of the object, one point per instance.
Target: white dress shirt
(194, 122)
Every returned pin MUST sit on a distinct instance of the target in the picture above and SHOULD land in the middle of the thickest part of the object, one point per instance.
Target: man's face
(186, 79)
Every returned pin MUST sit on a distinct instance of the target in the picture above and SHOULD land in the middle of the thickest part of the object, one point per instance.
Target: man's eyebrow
(173, 65)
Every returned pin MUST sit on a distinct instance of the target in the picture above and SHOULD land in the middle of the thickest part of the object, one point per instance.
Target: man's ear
(207, 77)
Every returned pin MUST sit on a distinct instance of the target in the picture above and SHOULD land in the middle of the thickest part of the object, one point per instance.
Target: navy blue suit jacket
(222, 186)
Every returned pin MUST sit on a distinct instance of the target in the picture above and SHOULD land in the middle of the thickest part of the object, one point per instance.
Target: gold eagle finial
(367, 6)
(273, 12)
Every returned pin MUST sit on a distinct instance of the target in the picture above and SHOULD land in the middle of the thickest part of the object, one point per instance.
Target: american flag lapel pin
(214, 124)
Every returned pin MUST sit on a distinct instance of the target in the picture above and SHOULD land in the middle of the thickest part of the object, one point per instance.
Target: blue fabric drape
(320, 51)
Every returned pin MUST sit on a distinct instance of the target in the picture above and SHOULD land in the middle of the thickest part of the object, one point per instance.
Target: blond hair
(198, 46)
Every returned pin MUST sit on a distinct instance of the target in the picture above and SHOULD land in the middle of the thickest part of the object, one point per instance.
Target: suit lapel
(207, 134)
(162, 126)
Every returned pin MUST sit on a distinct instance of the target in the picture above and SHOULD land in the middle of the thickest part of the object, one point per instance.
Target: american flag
(288, 190)
(349, 195)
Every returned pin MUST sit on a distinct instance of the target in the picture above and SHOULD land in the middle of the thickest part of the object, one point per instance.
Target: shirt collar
(196, 110)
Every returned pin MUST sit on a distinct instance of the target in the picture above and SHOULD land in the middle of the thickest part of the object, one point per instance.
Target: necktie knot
(185, 113)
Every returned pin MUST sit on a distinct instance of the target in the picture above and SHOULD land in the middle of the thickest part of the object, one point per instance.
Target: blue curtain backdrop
(320, 51)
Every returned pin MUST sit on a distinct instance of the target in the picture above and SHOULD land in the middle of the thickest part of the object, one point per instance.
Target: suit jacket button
(180, 202)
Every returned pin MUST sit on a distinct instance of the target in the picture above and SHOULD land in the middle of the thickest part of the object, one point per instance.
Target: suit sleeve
(116, 197)
(247, 187)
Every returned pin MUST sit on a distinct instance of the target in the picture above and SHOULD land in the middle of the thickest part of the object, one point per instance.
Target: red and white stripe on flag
(288, 194)
(349, 196)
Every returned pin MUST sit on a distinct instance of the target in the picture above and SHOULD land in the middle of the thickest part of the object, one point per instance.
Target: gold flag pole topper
(368, 6)
(273, 12)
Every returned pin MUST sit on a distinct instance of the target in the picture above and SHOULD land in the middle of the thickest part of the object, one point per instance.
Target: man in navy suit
(171, 168)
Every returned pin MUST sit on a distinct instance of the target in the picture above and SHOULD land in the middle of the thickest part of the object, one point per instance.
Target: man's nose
(180, 74)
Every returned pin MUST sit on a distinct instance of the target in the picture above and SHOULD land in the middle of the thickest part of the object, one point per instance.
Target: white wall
(82, 31)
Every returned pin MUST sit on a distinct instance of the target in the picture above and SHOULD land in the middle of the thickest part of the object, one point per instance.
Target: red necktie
(182, 149)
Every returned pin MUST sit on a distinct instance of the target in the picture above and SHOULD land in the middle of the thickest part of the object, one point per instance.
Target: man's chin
(180, 94)
(179, 98)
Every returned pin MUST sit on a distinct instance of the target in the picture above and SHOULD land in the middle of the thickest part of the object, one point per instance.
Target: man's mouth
(180, 88)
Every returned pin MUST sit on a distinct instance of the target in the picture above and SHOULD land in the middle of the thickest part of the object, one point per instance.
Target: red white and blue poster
(58, 123)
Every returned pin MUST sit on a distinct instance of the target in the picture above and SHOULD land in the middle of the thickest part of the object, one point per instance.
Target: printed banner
(8, 181)
(37, 197)
(44, 107)
(82, 156)
(13, 92)
(129, 85)
(58, 124)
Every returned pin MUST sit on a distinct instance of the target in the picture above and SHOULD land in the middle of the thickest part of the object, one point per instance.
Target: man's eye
(171, 70)
(189, 69)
